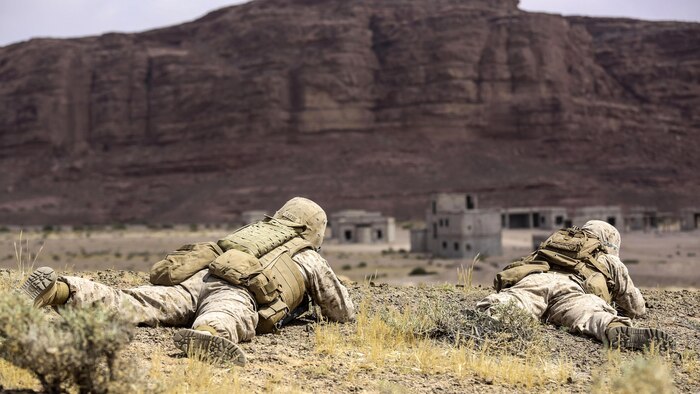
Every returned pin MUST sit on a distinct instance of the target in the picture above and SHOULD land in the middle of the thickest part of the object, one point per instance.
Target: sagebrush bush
(79, 350)
(513, 332)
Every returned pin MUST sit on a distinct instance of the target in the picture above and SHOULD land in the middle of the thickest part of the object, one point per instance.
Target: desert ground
(665, 260)
(386, 350)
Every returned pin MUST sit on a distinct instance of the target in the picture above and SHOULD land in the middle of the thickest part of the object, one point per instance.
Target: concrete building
(419, 240)
(640, 219)
(545, 218)
(456, 228)
(690, 219)
(610, 214)
(668, 222)
(358, 226)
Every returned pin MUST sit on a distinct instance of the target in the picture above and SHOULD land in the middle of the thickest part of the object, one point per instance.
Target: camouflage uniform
(559, 298)
(205, 300)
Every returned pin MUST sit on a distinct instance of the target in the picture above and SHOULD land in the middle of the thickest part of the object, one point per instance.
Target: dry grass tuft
(465, 275)
(646, 373)
(402, 341)
(193, 376)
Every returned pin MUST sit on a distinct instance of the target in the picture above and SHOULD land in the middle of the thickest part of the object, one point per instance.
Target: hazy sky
(24, 19)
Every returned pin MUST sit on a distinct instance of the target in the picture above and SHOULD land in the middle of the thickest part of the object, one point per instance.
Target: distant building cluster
(456, 227)
(629, 219)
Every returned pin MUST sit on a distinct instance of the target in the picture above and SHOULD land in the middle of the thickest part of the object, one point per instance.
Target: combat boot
(205, 343)
(621, 336)
(42, 286)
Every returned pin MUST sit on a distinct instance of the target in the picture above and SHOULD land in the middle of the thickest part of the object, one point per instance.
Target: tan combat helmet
(305, 212)
(607, 234)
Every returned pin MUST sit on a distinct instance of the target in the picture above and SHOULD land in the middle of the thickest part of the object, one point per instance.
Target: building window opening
(456, 246)
(468, 247)
(535, 219)
(379, 234)
(503, 220)
(434, 207)
(440, 221)
(470, 202)
(447, 222)
(444, 244)
(611, 220)
(348, 235)
(559, 220)
(434, 230)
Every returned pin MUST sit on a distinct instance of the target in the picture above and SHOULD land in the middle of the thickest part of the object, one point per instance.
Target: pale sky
(24, 19)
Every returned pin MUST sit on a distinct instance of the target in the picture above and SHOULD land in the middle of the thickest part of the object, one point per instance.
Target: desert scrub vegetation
(650, 372)
(79, 351)
(437, 339)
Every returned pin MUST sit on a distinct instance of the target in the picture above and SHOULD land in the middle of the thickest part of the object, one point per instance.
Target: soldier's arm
(324, 287)
(624, 293)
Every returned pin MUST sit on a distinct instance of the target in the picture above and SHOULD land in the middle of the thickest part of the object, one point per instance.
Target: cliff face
(353, 103)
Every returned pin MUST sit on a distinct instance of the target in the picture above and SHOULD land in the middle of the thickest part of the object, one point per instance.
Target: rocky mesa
(354, 103)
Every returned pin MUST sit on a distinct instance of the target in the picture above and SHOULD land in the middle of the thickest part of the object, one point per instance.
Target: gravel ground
(290, 359)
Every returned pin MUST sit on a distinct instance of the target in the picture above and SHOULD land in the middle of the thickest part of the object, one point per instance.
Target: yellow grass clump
(465, 275)
(389, 341)
(649, 372)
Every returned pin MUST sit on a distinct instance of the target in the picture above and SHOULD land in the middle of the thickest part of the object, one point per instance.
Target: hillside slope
(353, 103)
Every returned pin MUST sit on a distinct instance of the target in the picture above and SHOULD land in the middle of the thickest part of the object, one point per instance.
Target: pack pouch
(181, 264)
(516, 271)
(264, 286)
(235, 267)
(269, 315)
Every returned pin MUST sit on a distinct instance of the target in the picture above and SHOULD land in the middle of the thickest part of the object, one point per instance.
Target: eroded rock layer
(355, 103)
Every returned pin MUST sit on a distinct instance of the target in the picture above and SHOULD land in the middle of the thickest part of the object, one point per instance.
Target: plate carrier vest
(259, 257)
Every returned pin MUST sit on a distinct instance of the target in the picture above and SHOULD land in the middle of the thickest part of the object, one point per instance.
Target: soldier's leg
(149, 305)
(590, 315)
(582, 313)
(226, 316)
(530, 294)
(228, 309)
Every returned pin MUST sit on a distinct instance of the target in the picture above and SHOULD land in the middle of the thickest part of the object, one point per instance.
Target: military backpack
(568, 250)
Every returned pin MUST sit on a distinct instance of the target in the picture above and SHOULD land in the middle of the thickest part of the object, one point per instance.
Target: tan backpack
(569, 250)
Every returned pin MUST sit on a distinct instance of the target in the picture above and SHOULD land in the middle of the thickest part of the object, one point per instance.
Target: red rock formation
(354, 103)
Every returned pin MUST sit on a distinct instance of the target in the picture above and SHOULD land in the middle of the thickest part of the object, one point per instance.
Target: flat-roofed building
(690, 219)
(640, 218)
(611, 214)
(545, 218)
(364, 227)
(457, 228)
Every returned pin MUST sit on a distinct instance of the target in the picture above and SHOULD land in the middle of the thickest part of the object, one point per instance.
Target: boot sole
(38, 284)
(639, 338)
(209, 348)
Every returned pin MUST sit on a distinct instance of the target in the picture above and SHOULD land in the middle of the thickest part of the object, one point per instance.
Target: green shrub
(78, 352)
(362, 264)
(346, 267)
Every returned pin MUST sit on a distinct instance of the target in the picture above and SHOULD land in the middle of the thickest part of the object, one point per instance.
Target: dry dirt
(291, 360)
